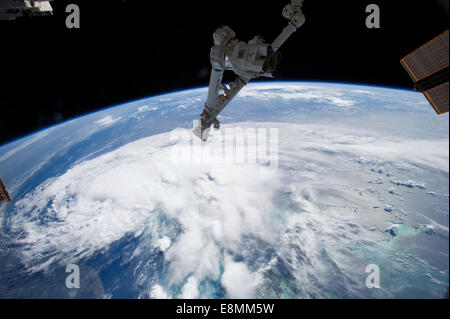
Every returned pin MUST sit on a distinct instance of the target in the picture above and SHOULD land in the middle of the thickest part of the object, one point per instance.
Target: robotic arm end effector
(223, 35)
(293, 12)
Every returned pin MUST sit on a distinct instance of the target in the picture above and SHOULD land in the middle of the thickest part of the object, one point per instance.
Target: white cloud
(190, 290)
(146, 108)
(238, 281)
(164, 243)
(157, 292)
(299, 92)
(25, 143)
(108, 120)
(223, 213)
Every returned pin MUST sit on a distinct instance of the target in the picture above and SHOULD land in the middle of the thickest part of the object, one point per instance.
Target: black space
(129, 49)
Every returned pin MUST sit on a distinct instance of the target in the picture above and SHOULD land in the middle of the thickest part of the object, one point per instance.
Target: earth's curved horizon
(358, 177)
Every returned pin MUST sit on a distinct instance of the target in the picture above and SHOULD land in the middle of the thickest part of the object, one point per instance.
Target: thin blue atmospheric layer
(190, 90)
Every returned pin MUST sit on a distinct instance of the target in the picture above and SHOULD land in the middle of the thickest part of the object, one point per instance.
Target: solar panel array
(429, 67)
(4, 196)
(438, 98)
(428, 59)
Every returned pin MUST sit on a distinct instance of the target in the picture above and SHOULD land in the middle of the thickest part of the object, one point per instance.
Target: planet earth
(327, 191)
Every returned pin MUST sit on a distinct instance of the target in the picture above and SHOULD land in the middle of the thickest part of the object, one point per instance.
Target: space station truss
(12, 9)
(428, 66)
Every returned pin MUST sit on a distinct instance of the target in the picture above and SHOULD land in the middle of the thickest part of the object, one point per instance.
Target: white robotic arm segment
(294, 6)
(214, 86)
(223, 35)
(250, 60)
(209, 114)
(217, 57)
(218, 60)
(292, 12)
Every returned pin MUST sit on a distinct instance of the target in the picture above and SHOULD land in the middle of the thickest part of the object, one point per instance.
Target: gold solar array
(438, 98)
(428, 59)
(4, 196)
(428, 66)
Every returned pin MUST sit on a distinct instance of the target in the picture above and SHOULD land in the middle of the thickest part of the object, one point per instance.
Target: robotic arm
(292, 12)
(248, 60)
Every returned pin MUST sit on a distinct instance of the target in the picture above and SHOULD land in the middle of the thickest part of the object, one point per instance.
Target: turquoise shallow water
(403, 267)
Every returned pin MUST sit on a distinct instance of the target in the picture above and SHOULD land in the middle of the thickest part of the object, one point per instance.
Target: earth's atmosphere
(359, 176)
